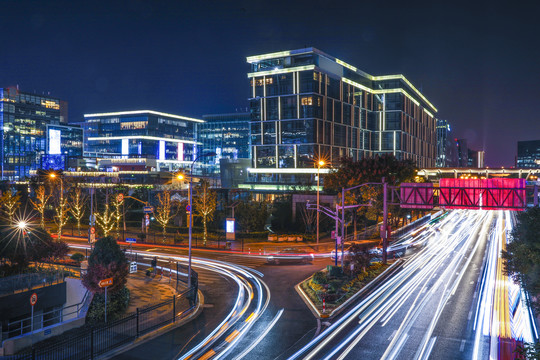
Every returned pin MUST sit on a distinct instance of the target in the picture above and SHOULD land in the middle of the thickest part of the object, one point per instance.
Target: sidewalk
(148, 290)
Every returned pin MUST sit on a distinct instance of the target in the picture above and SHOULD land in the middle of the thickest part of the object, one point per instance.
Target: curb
(319, 315)
(153, 334)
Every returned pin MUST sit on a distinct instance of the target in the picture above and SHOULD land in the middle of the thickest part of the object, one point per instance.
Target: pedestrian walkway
(148, 290)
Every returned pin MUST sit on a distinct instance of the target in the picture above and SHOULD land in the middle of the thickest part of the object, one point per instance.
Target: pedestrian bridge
(452, 193)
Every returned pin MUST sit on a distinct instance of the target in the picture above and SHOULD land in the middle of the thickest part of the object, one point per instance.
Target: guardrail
(52, 317)
(22, 282)
(91, 342)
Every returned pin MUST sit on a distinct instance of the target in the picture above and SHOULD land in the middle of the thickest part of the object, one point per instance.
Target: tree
(77, 205)
(107, 260)
(105, 220)
(251, 215)
(282, 214)
(9, 203)
(62, 208)
(360, 257)
(522, 256)
(352, 173)
(308, 217)
(164, 213)
(118, 203)
(205, 205)
(40, 204)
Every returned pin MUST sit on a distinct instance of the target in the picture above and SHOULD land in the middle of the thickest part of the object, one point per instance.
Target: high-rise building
(227, 135)
(307, 105)
(34, 133)
(447, 155)
(463, 152)
(141, 139)
(528, 154)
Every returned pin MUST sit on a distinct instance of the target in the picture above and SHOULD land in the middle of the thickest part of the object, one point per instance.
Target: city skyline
(190, 58)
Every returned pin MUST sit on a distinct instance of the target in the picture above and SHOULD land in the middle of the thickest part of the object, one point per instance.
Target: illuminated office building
(141, 139)
(34, 133)
(447, 151)
(228, 136)
(528, 154)
(307, 105)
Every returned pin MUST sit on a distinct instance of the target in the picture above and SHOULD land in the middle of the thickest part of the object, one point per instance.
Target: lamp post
(319, 164)
(191, 210)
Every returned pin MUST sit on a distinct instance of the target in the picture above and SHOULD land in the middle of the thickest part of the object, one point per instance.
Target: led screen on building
(54, 142)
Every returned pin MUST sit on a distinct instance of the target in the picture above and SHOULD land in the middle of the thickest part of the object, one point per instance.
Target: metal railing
(49, 318)
(90, 342)
(23, 282)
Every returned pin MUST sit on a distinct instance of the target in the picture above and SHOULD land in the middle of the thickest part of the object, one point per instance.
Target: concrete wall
(75, 292)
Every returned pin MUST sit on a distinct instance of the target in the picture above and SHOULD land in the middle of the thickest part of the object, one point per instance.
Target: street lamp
(191, 210)
(319, 164)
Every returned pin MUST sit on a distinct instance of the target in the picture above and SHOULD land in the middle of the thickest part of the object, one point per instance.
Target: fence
(55, 316)
(90, 342)
(23, 282)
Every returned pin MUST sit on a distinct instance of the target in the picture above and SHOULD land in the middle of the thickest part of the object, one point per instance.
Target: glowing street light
(22, 225)
(180, 176)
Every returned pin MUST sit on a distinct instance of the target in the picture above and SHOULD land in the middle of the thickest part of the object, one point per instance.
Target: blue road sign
(131, 240)
(188, 208)
(148, 209)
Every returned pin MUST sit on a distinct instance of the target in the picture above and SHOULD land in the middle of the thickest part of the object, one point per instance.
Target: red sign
(92, 230)
(147, 216)
(33, 299)
(105, 282)
(120, 197)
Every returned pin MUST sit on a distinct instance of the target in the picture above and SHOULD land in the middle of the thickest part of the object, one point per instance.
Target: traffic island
(329, 291)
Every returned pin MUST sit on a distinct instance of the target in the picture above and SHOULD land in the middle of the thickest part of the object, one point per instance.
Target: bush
(334, 271)
(334, 286)
(320, 278)
(117, 303)
(77, 257)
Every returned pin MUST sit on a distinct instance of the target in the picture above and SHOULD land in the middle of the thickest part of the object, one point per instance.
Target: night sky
(477, 63)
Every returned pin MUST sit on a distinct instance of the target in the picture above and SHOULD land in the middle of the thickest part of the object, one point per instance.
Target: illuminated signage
(54, 142)
(125, 147)
(161, 150)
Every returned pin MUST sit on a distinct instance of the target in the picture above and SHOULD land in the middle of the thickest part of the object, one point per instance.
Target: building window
(308, 100)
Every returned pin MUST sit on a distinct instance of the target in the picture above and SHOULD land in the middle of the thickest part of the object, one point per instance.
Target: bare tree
(308, 217)
(118, 203)
(205, 205)
(77, 206)
(105, 220)
(164, 210)
(10, 202)
(41, 202)
(62, 208)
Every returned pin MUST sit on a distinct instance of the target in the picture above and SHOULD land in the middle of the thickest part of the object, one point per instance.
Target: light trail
(252, 293)
(446, 250)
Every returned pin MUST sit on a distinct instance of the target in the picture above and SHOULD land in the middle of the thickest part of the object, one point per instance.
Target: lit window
(269, 81)
(307, 100)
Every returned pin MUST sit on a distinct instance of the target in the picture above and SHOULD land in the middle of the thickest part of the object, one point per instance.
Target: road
(286, 322)
(422, 311)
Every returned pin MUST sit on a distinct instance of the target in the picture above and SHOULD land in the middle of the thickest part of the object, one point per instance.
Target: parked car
(290, 255)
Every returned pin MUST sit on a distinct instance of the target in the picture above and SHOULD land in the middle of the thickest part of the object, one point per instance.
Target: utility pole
(384, 231)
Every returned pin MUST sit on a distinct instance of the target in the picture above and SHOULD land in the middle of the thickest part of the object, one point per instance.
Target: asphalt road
(295, 326)
(422, 311)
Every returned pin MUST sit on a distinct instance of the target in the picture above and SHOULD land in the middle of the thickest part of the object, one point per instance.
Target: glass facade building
(168, 140)
(307, 105)
(228, 135)
(447, 152)
(528, 154)
(34, 133)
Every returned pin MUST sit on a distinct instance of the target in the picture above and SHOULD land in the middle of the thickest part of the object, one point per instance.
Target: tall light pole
(191, 210)
(319, 164)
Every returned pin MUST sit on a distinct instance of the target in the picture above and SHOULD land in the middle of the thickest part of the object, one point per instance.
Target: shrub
(77, 257)
(117, 304)
(334, 286)
(334, 271)
(320, 278)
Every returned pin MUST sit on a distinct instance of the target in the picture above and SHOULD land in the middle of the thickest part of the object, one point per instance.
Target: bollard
(324, 306)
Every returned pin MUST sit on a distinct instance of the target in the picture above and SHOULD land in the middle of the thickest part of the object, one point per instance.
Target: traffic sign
(120, 197)
(33, 299)
(105, 282)
(133, 267)
(147, 216)
(148, 209)
(188, 208)
(131, 240)
(92, 230)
